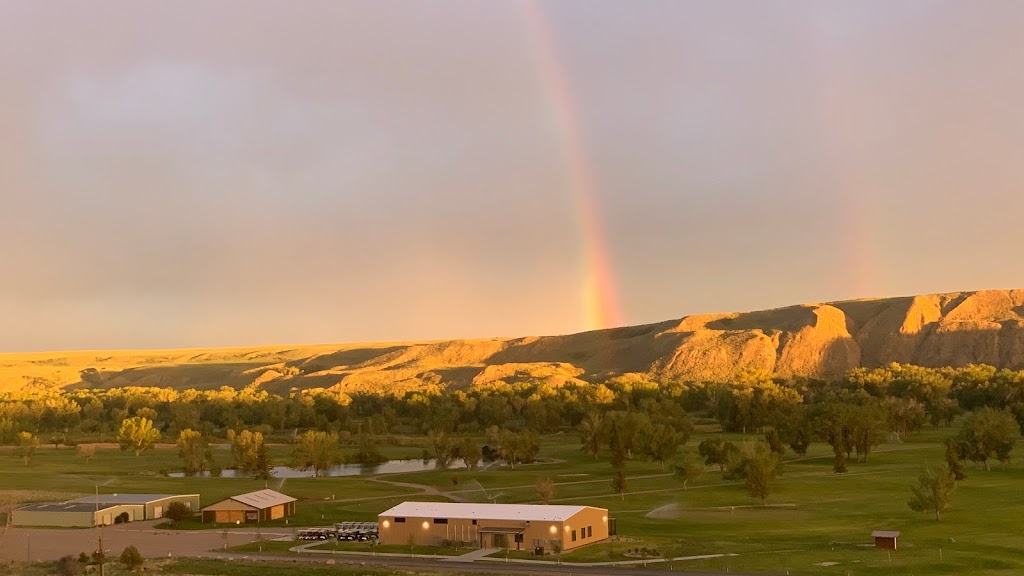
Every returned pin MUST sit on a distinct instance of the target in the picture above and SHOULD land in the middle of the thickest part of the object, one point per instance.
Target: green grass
(813, 516)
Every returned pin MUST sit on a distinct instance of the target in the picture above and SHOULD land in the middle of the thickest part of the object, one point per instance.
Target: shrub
(178, 511)
(68, 566)
(131, 558)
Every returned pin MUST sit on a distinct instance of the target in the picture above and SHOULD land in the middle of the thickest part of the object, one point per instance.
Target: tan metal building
(520, 526)
(259, 506)
(101, 510)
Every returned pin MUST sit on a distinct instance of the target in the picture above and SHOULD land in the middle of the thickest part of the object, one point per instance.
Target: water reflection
(389, 467)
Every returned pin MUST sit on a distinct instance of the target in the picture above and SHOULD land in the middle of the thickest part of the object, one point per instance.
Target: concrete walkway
(639, 562)
(478, 554)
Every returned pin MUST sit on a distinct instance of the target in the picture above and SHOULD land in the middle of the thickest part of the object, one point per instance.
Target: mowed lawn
(816, 522)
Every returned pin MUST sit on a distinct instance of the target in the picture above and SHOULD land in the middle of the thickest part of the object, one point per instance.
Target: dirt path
(424, 489)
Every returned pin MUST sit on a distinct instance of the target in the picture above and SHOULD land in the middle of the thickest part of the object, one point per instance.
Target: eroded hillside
(822, 340)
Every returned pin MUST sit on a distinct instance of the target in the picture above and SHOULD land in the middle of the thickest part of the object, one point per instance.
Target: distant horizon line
(381, 343)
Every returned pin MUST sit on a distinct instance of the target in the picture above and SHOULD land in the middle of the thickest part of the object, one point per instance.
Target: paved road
(475, 568)
(40, 544)
(35, 544)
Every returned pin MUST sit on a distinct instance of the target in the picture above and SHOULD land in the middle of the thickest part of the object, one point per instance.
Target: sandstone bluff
(819, 340)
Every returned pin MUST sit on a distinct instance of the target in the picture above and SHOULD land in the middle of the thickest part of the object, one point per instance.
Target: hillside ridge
(822, 340)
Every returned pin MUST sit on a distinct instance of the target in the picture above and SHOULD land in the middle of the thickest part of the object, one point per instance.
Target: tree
(762, 467)
(249, 453)
(934, 491)
(367, 452)
(138, 434)
(87, 451)
(443, 448)
(619, 481)
(545, 490)
(591, 433)
(469, 451)
(178, 512)
(315, 451)
(986, 433)
(953, 463)
(688, 468)
(193, 450)
(774, 440)
(659, 442)
(27, 444)
(717, 451)
(131, 558)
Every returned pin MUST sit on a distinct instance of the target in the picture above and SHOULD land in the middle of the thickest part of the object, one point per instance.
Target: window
(474, 522)
(399, 520)
(440, 520)
(590, 531)
(573, 535)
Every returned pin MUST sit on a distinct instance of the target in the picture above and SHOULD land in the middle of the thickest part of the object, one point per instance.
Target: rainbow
(598, 291)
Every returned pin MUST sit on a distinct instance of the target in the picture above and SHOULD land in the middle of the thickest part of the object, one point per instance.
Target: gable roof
(885, 534)
(263, 498)
(534, 512)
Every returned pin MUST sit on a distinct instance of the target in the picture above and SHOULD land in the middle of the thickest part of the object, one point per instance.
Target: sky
(190, 174)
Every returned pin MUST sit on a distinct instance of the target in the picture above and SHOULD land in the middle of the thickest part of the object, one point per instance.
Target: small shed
(885, 539)
(259, 506)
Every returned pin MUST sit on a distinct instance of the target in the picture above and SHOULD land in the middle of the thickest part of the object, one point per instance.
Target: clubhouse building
(520, 526)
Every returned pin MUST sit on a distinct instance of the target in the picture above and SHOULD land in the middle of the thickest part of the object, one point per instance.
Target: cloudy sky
(240, 172)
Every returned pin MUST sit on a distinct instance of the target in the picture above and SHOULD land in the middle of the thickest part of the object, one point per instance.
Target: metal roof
(63, 507)
(885, 534)
(127, 498)
(525, 512)
(263, 498)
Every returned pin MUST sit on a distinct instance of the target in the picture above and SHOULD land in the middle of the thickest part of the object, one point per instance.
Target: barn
(534, 527)
(259, 506)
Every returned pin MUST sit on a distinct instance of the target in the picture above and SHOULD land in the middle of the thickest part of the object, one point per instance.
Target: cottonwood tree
(177, 512)
(315, 451)
(469, 452)
(249, 453)
(987, 433)
(27, 444)
(717, 451)
(934, 491)
(194, 451)
(138, 434)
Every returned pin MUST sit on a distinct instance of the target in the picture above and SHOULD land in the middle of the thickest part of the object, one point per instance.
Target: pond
(389, 467)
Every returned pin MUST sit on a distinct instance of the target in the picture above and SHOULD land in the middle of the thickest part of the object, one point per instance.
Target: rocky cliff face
(820, 340)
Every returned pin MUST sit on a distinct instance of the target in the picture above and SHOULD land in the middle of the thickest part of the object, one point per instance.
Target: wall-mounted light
(554, 529)
(566, 527)
(426, 524)
(386, 523)
(604, 518)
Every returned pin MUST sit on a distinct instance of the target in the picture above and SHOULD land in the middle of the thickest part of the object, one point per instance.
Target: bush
(178, 511)
(68, 566)
(131, 558)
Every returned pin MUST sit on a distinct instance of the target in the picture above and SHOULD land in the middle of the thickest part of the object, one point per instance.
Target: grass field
(814, 516)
